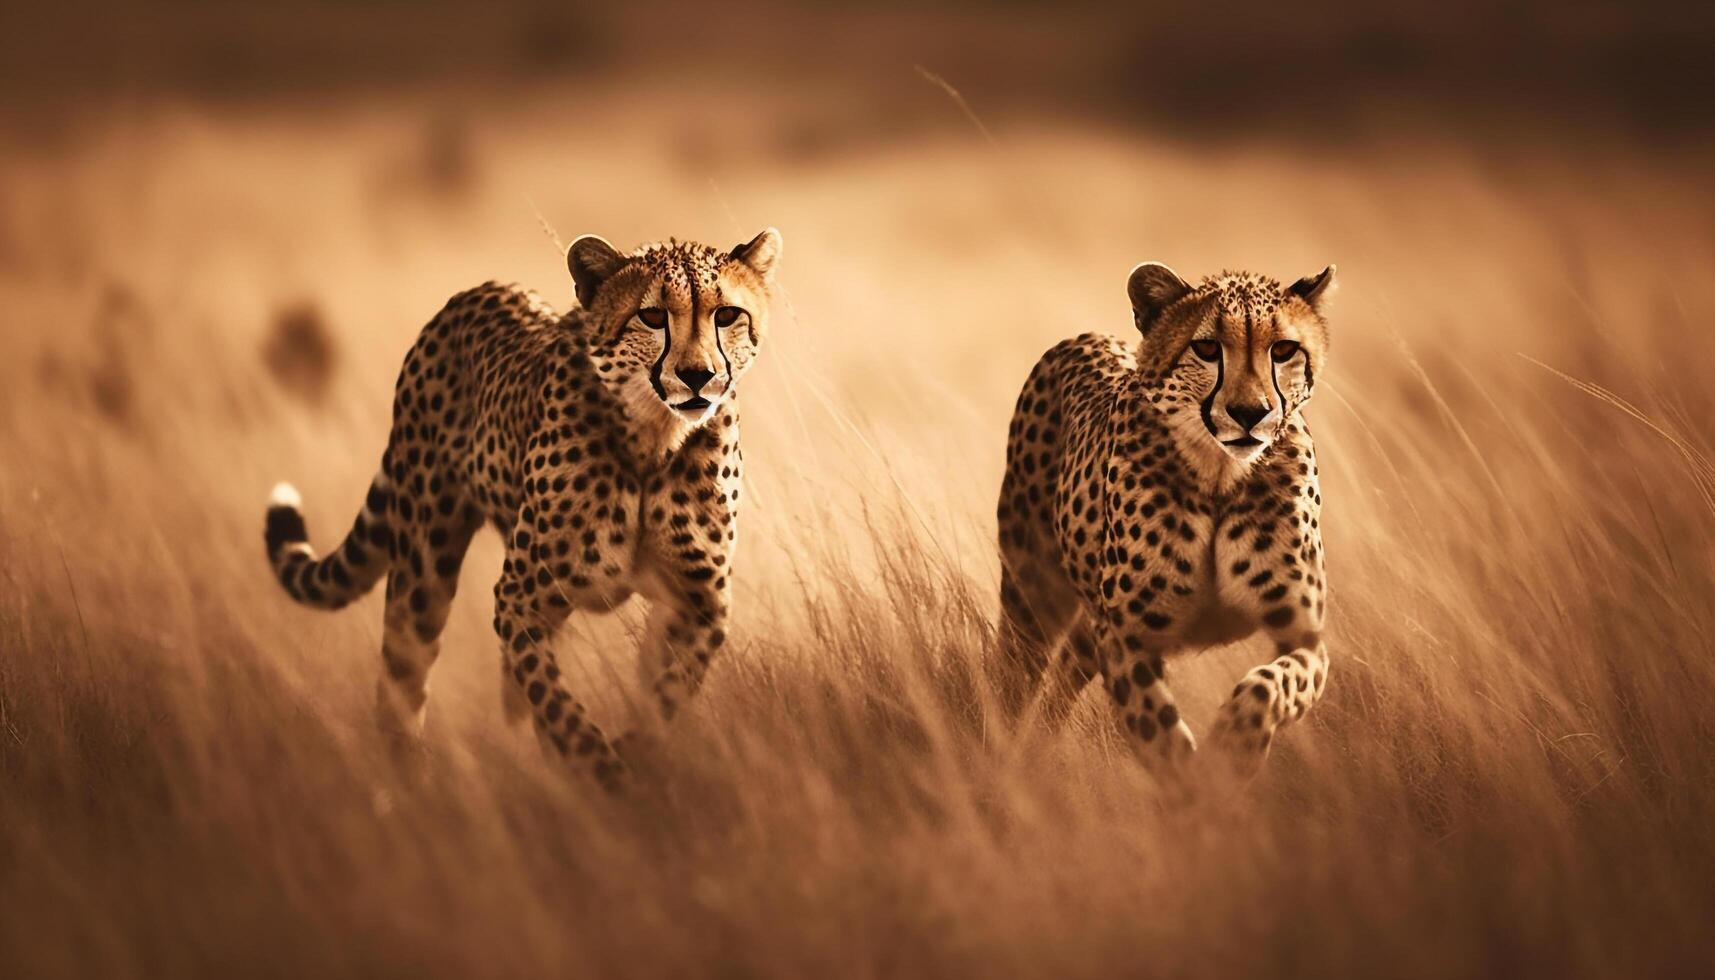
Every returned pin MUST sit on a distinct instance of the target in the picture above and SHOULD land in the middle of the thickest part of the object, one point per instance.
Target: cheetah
(1165, 499)
(602, 444)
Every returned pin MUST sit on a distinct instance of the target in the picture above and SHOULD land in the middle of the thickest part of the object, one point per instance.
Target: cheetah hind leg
(1266, 699)
(419, 595)
(1073, 667)
(1034, 614)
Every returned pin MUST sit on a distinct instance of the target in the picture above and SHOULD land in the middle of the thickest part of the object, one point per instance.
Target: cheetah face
(1237, 353)
(673, 327)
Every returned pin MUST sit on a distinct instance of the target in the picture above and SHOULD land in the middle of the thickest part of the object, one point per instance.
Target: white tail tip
(285, 495)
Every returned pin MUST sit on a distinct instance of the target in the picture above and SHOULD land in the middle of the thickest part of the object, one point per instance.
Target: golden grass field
(1513, 773)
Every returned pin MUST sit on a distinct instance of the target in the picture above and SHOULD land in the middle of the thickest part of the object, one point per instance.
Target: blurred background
(1348, 69)
(223, 223)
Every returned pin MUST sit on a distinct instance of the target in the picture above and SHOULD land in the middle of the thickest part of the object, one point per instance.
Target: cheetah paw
(1245, 728)
(605, 763)
(637, 749)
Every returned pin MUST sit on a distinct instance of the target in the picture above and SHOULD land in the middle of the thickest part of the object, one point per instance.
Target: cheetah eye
(726, 316)
(1283, 350)
(1208, 350)
(653, 317)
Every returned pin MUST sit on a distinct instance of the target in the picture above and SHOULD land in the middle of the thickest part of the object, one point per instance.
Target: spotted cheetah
(602, 444)
(1165, 498)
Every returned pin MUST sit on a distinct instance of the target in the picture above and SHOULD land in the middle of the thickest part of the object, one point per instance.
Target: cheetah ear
(1314, 289)
(1153, 287)
(761, 253)
(592, 260)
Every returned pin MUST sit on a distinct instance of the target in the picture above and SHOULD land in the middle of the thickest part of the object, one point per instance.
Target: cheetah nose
(694, 378)
(1247, 416)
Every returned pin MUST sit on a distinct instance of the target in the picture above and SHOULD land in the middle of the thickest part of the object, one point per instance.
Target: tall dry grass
(1513, 772)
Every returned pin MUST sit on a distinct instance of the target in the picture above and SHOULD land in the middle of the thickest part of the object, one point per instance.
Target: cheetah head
(673, 326)
(1233, 358)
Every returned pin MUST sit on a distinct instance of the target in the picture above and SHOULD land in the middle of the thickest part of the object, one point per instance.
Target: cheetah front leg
(530, 605)
(686, 629)
(420, 590)
(1135, 674)
(1268, 697)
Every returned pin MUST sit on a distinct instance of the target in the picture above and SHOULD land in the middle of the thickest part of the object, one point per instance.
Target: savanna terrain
(207, 287)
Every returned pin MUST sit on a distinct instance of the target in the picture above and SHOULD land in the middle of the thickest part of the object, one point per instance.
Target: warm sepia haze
(221, 226)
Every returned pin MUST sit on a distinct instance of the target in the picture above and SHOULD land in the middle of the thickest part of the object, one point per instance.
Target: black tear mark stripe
(1220, 378)
(655, 369)
(1309, 376)
(1274, 376)
(719, 346)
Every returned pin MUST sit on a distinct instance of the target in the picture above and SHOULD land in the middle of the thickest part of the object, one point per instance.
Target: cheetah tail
(331, 582)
